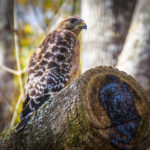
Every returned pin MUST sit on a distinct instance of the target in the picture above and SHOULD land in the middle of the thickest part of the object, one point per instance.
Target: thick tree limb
(102, 109)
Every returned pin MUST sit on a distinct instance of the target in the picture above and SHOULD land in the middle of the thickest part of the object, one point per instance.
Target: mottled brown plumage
(53, 65)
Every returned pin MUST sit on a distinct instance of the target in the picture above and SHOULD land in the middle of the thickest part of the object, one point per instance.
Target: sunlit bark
(108, 22)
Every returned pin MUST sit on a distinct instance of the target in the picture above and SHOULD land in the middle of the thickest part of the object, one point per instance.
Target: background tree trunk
(135, 57)
(7, 59)
(108, 22)
(102, 109)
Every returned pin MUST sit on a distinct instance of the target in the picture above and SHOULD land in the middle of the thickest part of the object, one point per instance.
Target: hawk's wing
(51, 67)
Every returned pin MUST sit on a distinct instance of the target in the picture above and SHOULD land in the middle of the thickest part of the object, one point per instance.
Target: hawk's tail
(28, 110)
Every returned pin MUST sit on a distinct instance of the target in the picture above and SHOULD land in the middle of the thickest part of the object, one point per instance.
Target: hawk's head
(74, 24)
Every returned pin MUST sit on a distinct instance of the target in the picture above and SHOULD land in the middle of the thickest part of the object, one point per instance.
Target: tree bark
(108, 22)
(135, 57)
(102, 109)
(7, 59)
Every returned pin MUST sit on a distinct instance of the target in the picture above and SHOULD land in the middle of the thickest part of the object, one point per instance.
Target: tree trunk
(102, 109)
(135, 57)
(7, 59)
(108, 22)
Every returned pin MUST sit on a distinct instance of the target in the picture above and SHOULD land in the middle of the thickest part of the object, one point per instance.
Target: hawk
(52, 66)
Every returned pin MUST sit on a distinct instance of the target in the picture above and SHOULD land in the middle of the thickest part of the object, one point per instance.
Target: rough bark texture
(7, 59)
(108, 22)
(135, 57)
(102, 109)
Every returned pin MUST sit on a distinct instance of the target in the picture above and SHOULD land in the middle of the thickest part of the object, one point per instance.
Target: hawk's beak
(83, 25)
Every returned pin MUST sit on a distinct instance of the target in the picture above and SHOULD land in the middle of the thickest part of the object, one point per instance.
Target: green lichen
(5, 136)
(77, 125)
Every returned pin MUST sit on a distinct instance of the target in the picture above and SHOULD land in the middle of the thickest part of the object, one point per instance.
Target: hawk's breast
(54, 64)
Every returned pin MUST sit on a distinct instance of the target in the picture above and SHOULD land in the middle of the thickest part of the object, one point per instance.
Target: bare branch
(18, 66)
(15, 114)
(9, 70)
(12, 71)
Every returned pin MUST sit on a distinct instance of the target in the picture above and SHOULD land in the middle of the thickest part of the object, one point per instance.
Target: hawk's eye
(72, 20)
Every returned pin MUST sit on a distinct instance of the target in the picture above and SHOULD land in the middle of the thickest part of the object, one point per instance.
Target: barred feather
(53, 65)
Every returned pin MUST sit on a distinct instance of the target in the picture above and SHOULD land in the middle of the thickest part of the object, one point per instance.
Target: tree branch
(102, 109)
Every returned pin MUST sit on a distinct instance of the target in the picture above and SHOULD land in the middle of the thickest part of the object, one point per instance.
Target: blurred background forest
(118, 35)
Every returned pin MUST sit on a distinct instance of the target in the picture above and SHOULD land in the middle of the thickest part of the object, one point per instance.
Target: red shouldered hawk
(53, 65)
